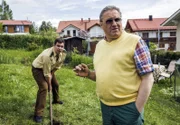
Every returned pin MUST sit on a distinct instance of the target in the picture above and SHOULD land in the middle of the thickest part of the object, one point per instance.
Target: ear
(100, 24)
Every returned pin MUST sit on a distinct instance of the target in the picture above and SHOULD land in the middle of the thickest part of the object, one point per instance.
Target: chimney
(150, 17)
(89, 19)
(81, 20)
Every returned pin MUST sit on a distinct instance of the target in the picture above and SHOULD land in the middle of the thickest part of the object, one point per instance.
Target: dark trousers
(121, 115)
(43, 89)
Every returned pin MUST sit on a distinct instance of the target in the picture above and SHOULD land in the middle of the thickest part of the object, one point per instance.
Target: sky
(62, 10)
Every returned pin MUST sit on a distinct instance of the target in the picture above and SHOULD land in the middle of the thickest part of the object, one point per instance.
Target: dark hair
(110, 7)
(59, 40)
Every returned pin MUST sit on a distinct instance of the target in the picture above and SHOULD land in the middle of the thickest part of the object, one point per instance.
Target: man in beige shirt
(43, 69)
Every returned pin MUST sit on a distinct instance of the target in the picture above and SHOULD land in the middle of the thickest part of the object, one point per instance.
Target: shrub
(164, 57)
(32, 46)
(78, 59)
(28, 42)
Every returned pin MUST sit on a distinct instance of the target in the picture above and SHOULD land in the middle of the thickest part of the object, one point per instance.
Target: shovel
(50, 109)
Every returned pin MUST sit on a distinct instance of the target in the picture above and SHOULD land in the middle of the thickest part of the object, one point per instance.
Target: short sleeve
(142, 58)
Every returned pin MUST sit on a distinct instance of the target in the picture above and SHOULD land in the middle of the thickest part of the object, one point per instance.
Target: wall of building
(10, 29)
(96, 31)
(166, 34)
(70, 28)
(152, 34)
(165, 41)
(26, 29)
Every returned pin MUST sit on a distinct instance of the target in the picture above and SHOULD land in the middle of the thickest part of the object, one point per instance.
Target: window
(19, 29)
(74, 32)
(68, 32)
(145, 35)
(6, 29)
(172, 33)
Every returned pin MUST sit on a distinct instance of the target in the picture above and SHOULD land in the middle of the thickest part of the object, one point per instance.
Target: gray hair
(109, 7)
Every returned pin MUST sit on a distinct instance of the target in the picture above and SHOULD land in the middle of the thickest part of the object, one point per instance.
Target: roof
(80, 24)
(173, 19)
(147, 25)
(74, 37)
(16, 22)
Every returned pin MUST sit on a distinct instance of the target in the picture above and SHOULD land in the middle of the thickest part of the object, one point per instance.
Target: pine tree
(5, 11)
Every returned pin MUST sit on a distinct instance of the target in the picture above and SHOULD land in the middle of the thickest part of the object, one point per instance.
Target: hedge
(164, 57)
(29, 42)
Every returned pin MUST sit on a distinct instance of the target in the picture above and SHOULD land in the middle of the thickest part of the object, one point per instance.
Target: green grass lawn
(81, 105)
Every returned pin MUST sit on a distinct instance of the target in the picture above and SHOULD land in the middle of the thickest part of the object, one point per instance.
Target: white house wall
(152, 34)
(70, 28)
(96, 31)
(166, 34)
(139, 33)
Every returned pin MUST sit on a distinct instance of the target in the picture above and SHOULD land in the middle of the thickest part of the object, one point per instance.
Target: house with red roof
(80, 28)
(174, 20)
(150, 29)
(16, 27)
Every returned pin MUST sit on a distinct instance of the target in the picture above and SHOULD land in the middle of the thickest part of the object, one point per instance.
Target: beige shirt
(47, 61)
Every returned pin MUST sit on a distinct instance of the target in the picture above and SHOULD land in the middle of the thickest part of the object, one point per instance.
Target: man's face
(111, 24)
(59, 47)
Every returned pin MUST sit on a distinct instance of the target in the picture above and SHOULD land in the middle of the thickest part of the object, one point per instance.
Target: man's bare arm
(144, 91)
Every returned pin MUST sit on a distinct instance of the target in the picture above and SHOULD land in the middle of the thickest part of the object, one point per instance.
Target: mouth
(115, 30)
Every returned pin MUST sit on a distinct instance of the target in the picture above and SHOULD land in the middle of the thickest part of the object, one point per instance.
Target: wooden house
(74, 42)
(16, 27)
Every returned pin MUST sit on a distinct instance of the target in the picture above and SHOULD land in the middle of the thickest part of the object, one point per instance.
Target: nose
(114, 22)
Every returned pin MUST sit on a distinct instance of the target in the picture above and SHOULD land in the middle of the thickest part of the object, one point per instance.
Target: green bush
(27, 60)
(32, 46)
(164, 57)
(152, 46)
(68, 58)
(78, 59)
(29, 42)
(19, 56)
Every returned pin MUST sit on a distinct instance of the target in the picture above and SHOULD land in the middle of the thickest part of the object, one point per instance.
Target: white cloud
(22, 2)
(160, 9)
(90, 1)
(54, 22)
(68, 6)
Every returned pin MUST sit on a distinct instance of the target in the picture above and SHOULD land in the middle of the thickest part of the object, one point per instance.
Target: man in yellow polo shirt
(123, 72)
(43, 69)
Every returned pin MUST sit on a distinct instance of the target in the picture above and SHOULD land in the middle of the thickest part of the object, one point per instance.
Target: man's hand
(81, 70)
(49, 87)
(48, 80)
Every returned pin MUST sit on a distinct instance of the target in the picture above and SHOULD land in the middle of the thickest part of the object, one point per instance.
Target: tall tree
(1, 28)
(33, 28)
(46, 26)
(5, 11)
(46, 29)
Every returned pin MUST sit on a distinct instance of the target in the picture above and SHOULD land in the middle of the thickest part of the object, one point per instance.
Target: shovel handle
(50, 109)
